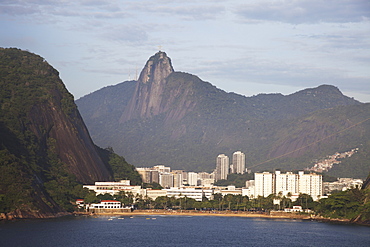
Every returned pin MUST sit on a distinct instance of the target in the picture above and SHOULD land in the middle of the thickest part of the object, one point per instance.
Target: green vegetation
(120, 168)
(220, 203)
(33, 177)
(28, 166)
(153, 186)
(238, 180)
(14, 192)
(350, 204)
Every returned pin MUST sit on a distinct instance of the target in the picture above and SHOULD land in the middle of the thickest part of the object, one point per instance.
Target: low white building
(114, 188)
(106, 204)
(295, 209)
(196, 193)
(248, 192)
(229, 190)
(154, 194)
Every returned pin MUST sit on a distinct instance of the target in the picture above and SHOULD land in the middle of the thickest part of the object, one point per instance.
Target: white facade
(195, 193)
(166, 180)
(192, 178)
(231, 190)
(177, 179)
(239, 162)
(310, 184)
(268, 183)
(162, 168)
(248, 192)
(114, 187)
(222, 167)
(286, 183)
(263, 184)
(106, 204)
(153, 194)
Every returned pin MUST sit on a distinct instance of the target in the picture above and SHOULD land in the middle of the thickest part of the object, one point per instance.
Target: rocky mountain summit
(146, 100)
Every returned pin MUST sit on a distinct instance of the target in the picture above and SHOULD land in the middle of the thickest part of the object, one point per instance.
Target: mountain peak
(147, 97)
(157, 68)
(330, 95)
(325, 89)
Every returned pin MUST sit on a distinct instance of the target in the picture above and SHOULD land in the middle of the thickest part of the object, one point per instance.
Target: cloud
(343, 40)
(306, 11)
(17, 10)
(126, 33)
(84, 8)
(188, 10)
(194, 12)
(245, 70)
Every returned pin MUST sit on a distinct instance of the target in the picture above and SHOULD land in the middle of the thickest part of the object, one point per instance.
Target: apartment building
(239, 162)
(278, 183)
(222, 167)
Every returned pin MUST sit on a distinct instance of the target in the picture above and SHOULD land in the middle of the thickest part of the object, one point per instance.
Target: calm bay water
(155, 230)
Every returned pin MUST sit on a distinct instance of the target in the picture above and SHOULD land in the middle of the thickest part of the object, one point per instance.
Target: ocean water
(156, 230)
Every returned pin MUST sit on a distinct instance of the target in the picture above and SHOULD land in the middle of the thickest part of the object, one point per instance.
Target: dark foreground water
(157, 230)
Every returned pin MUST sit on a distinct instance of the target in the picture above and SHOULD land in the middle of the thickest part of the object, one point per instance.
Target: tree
(161, 202)
(305, 201)
(105, 196)
(90, 197)
(126, 198)
(345, 204)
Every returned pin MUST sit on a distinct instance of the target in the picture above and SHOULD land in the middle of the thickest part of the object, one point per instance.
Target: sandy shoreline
(276, 215)
(271, 215)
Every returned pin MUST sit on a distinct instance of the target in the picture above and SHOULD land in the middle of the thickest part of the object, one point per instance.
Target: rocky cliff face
(147, 98)
(67, 134)
(33, 93)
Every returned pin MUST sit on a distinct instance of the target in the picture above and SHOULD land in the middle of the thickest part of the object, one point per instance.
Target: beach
(274, 214)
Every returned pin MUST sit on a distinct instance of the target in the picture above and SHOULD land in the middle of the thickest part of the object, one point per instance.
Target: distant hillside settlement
(327, 163)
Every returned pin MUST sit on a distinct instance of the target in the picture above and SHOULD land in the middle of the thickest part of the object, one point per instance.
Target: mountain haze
(176, 119)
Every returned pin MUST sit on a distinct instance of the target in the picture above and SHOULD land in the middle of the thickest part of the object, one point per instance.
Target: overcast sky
(243, 46)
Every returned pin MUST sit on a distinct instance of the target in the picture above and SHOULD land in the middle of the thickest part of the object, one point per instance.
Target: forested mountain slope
(46, 152)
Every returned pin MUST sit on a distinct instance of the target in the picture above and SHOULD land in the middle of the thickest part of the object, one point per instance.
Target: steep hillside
(175, 118)
(45, 149)
(321, 133)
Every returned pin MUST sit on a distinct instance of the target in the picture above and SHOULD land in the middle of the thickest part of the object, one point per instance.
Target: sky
(243, 46)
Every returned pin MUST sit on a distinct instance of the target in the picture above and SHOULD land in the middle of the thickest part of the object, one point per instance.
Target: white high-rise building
(263, 184)
(239, 162)
(177, 179)
(286, 183)
(149, 175)
(310, 184)
(166, 180)
(222, 167)
(192, 178)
